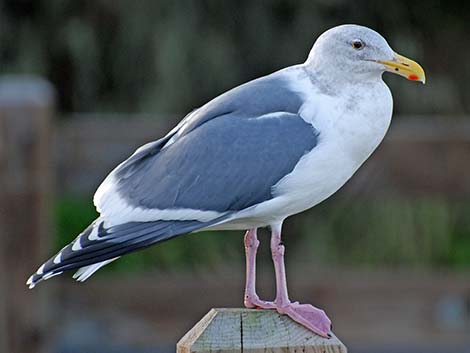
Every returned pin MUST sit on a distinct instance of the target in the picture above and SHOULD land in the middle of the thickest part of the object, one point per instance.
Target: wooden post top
(253, 331)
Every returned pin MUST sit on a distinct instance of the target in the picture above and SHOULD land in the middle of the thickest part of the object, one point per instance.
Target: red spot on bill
(413, 77)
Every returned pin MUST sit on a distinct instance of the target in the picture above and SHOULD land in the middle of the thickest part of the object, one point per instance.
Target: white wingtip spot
(58, 258)
(94, 234)
(30, 283)
(40, 270)
(51, 274)
(76, 245)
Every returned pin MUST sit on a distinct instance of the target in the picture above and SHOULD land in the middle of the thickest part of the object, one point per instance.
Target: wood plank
(253, 331)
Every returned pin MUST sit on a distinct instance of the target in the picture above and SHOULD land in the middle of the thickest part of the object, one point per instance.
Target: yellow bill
(405, 67)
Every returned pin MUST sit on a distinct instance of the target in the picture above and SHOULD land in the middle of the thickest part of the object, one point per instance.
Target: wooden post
(26, 109)
(253, 331)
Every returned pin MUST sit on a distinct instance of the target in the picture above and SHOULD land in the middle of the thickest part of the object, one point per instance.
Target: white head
(352, 53)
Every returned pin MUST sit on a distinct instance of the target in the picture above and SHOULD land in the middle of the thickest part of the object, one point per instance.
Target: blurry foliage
(172, 56)
(389, 231)
(418, 233)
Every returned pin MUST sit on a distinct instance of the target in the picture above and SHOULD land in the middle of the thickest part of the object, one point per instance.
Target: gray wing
(226, 156)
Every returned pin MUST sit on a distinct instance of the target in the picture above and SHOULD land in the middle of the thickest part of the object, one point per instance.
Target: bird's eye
(358, 44)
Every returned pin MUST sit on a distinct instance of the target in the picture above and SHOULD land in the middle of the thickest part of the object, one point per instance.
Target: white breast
(351, 125)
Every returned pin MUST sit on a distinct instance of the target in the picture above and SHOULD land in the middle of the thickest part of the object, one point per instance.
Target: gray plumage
(226, 158)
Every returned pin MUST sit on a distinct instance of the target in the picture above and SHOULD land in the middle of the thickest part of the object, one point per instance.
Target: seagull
(250, 158)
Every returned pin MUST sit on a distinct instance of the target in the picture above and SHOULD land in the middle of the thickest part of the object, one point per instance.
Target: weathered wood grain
(253, 331)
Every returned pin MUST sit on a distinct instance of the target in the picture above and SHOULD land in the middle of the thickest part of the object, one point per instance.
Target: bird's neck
(335, 78)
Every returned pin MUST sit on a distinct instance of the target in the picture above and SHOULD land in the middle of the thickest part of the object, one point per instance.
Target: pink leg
(251, 298)
(277, 251)
(305, 314)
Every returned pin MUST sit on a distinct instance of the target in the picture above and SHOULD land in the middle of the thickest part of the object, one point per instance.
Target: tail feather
(86, 272)
(97, 246)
